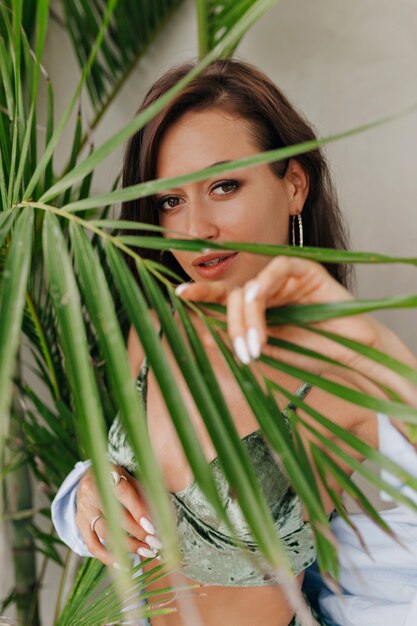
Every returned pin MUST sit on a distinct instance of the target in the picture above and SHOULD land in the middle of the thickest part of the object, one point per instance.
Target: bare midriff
(226, 606)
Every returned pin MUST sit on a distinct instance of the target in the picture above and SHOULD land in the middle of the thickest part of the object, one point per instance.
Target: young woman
(228, 112)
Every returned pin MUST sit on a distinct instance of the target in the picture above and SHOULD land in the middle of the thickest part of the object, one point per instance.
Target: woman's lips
(214, 271)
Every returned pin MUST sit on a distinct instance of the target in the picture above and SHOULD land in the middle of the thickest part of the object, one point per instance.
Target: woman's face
(251, 205)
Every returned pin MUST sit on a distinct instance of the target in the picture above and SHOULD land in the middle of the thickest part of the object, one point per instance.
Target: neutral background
(343, 64)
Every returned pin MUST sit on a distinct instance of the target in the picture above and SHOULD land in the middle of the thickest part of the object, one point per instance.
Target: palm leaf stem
(299, 313)
(101, 309)
(67, 304)
(184, 242)
(203, 31)
(97, 231)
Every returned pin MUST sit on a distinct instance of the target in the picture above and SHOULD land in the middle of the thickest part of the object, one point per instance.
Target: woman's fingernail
(153, 542)
(117, 565)
(145, 552)
(251, 293)
(254, 342)
(147, 525)
(241, 350)
(181, 288)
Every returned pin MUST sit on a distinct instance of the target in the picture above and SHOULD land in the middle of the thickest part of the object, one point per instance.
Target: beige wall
(343, 63)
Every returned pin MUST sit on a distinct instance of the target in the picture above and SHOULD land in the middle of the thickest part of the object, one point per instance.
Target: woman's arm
(77, 503)
(289, 280)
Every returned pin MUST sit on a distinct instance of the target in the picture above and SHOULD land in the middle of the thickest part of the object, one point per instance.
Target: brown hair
(243, 90)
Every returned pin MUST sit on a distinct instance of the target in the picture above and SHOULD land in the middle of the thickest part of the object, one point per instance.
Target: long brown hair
(245, 91)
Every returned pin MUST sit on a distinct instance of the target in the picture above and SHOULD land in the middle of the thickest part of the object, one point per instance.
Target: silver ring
(94, 522)
(116, 478)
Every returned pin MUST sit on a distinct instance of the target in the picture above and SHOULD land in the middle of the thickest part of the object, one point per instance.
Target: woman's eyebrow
(217, 163)
(161, 193)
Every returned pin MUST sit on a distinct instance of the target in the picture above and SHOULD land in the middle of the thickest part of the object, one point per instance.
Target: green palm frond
(93, 600)
(215, 19)
(12, 298)
(134, 25)
(87, 165)
(28, 17)
(63, 281)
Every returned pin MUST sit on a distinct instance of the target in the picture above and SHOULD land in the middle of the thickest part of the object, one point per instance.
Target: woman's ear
(297, 185)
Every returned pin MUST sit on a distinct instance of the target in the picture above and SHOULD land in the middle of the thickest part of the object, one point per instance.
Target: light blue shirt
(64, 510)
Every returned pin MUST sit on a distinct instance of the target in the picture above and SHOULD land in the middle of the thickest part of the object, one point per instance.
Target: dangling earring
(300, 230)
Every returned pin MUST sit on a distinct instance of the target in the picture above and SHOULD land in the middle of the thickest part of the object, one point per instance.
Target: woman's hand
(284, 281)
(135, 518)
(291, 280)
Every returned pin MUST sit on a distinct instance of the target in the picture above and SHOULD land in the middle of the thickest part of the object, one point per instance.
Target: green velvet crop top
(209, 553)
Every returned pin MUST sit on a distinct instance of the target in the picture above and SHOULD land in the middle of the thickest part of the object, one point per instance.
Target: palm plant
(65, 284)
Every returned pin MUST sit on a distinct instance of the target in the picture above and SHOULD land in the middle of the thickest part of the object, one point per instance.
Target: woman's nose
(202, 221)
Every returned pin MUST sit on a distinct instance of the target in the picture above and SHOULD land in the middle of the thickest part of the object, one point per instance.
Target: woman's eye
(225, 187)
(168, 203)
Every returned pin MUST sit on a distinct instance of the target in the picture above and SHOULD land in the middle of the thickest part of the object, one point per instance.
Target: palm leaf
(278, 436)
(233, 455)
(90, 603)
(359, 446)
(12, 299)
(133, 27)
(215, 19)
(46, 156)
(65, 296)
(139, 314)
(100, 305)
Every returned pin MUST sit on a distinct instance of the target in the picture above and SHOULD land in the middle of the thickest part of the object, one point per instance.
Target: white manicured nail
(117, 565)
(241, 350)
(153, 542)
(181, 288)
(254, 342)
(147, 525)
(251, 293)
(145, 552)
